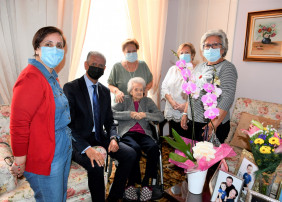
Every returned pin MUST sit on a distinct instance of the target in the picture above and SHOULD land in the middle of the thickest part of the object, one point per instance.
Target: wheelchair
(156, 184)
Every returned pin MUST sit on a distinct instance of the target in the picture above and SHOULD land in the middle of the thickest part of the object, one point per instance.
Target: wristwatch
(115, 138)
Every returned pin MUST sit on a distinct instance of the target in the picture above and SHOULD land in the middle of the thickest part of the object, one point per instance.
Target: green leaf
(177, 157)
(257, 124)
(175, 53)
(181, 145)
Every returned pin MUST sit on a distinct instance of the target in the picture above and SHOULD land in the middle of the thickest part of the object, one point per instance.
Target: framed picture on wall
(263, 42)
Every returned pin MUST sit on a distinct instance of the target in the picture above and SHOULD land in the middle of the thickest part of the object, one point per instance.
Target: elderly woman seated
(134, 115)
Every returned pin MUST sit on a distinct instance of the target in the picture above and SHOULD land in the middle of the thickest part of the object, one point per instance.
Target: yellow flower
(274, 140)
(259, 141)
(265, 150)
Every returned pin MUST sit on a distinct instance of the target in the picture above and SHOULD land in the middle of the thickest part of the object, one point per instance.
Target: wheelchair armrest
(154, 123)
(115, 123)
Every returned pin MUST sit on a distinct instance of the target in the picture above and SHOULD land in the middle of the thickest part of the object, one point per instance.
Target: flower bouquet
(196, 160)
(266, 31)
(265, 144)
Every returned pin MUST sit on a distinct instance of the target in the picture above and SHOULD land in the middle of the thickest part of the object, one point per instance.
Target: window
(108, 26)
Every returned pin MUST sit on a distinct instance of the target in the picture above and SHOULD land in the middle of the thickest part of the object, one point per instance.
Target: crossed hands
(137, 115)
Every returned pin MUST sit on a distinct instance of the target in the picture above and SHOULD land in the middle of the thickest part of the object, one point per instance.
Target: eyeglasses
(9, 160)
(97, 65)
(59, 45)
(214, 46)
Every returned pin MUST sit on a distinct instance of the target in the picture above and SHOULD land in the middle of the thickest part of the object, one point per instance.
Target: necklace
(135, 68)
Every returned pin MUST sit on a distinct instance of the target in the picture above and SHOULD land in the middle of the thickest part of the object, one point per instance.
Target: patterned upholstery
(77, 183)
(255, 107)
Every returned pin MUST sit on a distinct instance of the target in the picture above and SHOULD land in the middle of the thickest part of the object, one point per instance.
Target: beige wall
(257, 80)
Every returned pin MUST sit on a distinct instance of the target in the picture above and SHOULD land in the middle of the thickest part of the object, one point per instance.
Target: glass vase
(263, 183)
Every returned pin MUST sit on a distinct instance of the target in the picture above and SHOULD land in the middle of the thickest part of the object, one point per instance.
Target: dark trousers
(141, 142)
(177, 127)
(126, 157)
(221, 131)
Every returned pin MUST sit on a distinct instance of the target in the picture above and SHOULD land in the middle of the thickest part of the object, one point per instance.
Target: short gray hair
(135, 80)
(217, 32)
(97, 54)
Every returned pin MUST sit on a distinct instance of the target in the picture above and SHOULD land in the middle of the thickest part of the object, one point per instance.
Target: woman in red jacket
(40, 137)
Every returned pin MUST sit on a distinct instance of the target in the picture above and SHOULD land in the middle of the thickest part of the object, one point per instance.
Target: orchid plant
(202, 155)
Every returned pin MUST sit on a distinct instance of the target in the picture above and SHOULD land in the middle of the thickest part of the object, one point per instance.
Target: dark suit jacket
(82, 117)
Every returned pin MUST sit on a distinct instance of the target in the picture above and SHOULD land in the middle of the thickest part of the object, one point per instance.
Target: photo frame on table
(263, 40)
(222, 166)
(279, 192)
(255, 196)
(228, 186)
(246, 169)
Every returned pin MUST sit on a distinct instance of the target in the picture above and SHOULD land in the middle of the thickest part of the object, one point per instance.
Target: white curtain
(148, 21)
(19, 20)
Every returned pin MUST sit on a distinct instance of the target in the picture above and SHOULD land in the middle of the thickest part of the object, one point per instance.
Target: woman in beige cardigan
(134, 115)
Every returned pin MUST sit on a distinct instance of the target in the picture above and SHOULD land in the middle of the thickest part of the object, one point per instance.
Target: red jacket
(32, 121)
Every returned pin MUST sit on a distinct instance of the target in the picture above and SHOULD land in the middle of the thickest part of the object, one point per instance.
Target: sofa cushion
(7, 182)
(242, 140)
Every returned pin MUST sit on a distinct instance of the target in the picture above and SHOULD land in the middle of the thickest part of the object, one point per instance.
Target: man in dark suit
(90, 107)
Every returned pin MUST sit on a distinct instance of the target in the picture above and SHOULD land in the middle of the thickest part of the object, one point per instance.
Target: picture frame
(245, 169)
(279, 192)
(255, 196)
(263, 40)
(222, 166)
(228, 186)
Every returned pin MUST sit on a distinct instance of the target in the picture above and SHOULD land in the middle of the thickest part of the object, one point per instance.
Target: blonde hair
(129, 41)
(192, 48)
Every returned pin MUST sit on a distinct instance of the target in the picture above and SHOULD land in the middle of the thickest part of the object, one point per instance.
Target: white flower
(217, 91)
(204, 77)
(202, 149)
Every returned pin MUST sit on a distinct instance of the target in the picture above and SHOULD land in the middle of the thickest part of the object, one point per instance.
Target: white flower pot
(196, 181)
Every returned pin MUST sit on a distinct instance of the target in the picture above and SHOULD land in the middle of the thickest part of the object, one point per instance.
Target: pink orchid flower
(209, 99)
(209, 87)
(211, 113)
(251, 131)
(189, 87)
(181, 64)
(186, 73)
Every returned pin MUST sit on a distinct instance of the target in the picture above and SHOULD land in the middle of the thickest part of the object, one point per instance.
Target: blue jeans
(53, 188)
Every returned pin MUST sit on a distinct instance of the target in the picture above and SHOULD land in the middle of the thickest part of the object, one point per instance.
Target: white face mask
(131, 57)
(186, 57)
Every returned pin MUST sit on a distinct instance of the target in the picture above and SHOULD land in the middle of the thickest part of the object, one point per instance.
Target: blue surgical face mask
(186, 57)
(51, 56)
(212, 55)
(131, 57)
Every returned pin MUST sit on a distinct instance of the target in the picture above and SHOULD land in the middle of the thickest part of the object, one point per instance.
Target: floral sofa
(263, 109)
(11, 190)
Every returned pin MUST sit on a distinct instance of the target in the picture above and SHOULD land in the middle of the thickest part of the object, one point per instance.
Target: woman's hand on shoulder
(119, 96)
